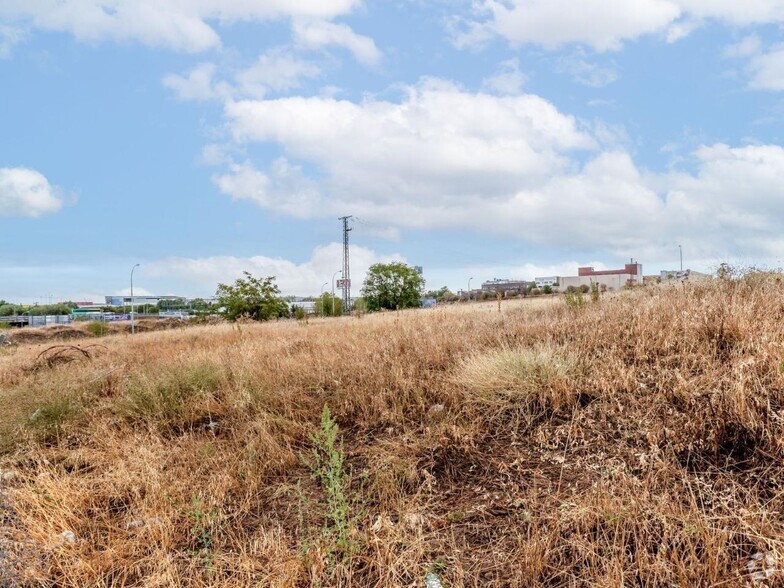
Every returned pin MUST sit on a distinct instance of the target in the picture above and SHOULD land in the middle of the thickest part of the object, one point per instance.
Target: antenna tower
(346, 273)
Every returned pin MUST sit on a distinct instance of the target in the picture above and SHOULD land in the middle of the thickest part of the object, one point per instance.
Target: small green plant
(326, 462)
(547, 289)
(5, 325)
(574, 300)
(50, 417)
(97, 328)
(595, 293)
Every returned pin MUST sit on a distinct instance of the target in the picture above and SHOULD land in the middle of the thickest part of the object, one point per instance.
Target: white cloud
(737, 194)
(767, 70)
(606, 24)
(203, 274)
(285, 188)
(26, 192)
(764, 67)
(197, 84)
(444, 158)
(439, 143)
(9, 37)
(319, 34)
(178, 24)
(507, 80)
(274, 71)
(602, 24)
(586, 72)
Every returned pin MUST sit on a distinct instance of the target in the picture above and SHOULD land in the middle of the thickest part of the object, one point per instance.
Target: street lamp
(333, 290)
(469, 288)
(680, 250)
(133, 330)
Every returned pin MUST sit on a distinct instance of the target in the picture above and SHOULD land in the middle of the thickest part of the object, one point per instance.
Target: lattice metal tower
(346, 272)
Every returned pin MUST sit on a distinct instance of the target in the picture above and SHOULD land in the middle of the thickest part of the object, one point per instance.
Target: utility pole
(680, 250)
(133, 330)
(346, 274)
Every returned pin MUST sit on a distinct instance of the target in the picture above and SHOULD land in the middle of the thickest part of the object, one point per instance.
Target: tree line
(388, 286)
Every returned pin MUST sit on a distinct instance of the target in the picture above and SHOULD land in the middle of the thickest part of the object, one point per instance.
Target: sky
(479, 139)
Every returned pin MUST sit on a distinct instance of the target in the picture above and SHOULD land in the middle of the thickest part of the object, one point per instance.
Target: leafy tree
(391, 286)
(256, 298)
(443, 294)
(324, 305)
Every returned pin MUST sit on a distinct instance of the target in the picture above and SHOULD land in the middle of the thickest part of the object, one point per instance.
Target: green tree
(325, 304)
(255, 298)
(391, 286)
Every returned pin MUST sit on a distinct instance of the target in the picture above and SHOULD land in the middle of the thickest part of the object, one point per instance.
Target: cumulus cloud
(606, 24)
(438, 142)
(176, 24)
(319, 34)
(203, 274)
(509, 166)
(26, 192)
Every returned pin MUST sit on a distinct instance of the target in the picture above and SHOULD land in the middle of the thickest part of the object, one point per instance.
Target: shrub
(595, 294)
(547, 289)
(575, 300)
(584, 289)
(536, 292)
(538, 375)
(97, 328)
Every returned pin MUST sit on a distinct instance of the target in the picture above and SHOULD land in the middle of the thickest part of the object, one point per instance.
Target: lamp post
(333, 290)
(680, 250)
(133, 330)
(469, 288)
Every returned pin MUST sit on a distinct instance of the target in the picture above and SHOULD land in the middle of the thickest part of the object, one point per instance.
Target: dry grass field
(636, 441)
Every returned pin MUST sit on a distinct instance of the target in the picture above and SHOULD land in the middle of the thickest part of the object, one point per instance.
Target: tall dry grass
(633, 442)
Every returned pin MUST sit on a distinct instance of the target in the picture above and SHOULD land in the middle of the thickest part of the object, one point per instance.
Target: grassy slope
(636, 441)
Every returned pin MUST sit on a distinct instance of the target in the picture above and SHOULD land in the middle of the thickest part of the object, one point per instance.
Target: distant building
(550, 281)
(615, 279)
(504, 286)
(682, 276)
(308, 306)
(142, 300)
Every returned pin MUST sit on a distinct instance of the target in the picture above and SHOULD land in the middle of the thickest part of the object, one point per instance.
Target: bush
(97, 328)
(540, 376)
(583, 289)
(595, 294)
(547, 289)
(575, 300)
(536, 292)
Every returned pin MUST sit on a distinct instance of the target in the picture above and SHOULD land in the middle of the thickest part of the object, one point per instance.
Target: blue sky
(479, 139)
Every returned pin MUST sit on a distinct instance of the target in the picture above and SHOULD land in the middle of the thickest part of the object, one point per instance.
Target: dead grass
(633, 442)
